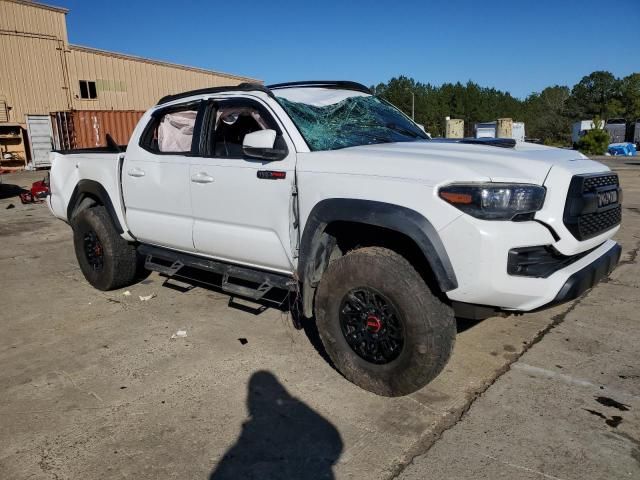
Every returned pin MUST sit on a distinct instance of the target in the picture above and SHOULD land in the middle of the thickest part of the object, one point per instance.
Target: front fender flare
(315, 251)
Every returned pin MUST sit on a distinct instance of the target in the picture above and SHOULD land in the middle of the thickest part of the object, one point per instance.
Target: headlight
(495, 201)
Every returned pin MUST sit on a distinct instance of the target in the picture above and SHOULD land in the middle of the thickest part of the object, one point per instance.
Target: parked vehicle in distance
(580, 128)
(488, 130)
(324, 190)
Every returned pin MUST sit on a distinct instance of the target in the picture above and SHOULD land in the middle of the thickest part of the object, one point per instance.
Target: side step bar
(171, 263)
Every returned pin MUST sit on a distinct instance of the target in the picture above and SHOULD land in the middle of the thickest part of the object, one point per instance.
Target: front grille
(592, 183)
(584, 215)
(592, 224)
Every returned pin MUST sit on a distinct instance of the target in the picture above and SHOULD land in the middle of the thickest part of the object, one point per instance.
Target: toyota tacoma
(323, 192)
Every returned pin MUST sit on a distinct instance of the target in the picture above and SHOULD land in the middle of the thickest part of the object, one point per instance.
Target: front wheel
(380, 324)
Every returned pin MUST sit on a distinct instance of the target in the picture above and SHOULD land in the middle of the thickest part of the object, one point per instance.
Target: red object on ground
(39, 190)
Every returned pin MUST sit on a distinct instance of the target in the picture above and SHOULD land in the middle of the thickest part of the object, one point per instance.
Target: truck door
(155, 178)
(242, 206)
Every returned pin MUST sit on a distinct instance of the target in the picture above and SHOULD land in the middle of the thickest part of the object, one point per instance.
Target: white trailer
(488, 130)
(582, 127)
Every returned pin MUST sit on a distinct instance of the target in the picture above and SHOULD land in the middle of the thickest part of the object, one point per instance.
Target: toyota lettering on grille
(607, 198)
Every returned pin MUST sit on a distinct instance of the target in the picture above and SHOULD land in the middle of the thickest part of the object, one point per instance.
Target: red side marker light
(271, 175)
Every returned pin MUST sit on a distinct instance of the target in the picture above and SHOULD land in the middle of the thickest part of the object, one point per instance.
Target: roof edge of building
(135, 58)
(30, 3)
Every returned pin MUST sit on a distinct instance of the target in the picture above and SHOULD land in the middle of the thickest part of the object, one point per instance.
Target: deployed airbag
(175, 132)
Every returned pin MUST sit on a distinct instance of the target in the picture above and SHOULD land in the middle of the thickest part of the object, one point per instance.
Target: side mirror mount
(262, 144)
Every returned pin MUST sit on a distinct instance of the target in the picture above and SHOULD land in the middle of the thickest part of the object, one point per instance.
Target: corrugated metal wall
(88, 128)
(125, 82)
(40, 71)
(22, 17)
(32, 76)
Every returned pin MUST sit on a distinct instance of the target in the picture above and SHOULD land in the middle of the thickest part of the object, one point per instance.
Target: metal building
(41, 73)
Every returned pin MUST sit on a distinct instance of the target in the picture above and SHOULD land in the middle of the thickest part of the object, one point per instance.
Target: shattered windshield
(331, 120)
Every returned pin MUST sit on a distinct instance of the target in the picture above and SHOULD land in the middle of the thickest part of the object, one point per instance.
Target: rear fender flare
(91, 188)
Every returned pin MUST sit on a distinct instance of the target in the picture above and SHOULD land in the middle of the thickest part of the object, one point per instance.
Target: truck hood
(435, 162)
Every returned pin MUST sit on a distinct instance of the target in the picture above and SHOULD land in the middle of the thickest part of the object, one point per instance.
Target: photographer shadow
(283, 438)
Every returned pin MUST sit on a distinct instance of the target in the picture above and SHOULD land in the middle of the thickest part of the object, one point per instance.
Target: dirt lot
(93, 386)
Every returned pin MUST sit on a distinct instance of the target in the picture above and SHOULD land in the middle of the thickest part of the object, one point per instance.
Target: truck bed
(96, 170)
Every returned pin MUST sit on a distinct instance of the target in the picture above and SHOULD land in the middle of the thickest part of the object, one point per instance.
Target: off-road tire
(120, 261)
(429, 324)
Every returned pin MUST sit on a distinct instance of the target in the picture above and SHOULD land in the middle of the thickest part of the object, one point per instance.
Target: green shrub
(595, 141)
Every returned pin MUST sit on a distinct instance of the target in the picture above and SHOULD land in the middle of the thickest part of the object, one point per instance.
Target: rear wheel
(380, 324)
(106, 259)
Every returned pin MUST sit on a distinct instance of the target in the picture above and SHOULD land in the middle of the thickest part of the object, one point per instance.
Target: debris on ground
(243, 341)
(146, 298)
(38, 192)
(127, 293)
(179, 334)
(11, 205)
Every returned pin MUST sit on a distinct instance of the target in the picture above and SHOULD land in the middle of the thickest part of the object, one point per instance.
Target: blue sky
(519, 46)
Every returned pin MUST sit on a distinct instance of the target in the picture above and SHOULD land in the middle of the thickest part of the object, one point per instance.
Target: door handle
(135, 172)
(201, 178)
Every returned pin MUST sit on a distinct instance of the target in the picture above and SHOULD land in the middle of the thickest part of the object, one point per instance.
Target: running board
(171, 263)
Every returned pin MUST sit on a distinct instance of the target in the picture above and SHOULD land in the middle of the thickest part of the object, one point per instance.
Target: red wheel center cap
(373, 323)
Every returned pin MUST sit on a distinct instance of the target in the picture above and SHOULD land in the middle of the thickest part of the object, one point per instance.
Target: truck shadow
(464, 324)
(289, 305)
(282, 438)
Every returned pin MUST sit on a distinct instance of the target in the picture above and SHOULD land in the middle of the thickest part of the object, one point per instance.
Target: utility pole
(413, 106)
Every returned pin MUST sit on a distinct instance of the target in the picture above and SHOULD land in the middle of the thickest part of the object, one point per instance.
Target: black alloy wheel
(93, 250)
(371, 325)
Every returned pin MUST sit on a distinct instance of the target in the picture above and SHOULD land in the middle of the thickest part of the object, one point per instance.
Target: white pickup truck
(328, 194)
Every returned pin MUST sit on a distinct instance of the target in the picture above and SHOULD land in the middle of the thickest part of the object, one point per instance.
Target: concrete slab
(93, 386)
(569, 408)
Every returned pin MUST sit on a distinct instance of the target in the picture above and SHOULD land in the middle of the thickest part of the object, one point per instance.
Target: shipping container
(617, 129)
(89, 128)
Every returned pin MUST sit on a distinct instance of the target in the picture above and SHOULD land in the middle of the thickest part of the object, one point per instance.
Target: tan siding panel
(34, 83)
(145, 82)
(32, 19)
(33, 78)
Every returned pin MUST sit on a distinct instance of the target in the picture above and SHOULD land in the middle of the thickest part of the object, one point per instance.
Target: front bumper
(479, 252)
(587, 277)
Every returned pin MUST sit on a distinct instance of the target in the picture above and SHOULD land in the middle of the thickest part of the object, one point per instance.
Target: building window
(88, 89)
